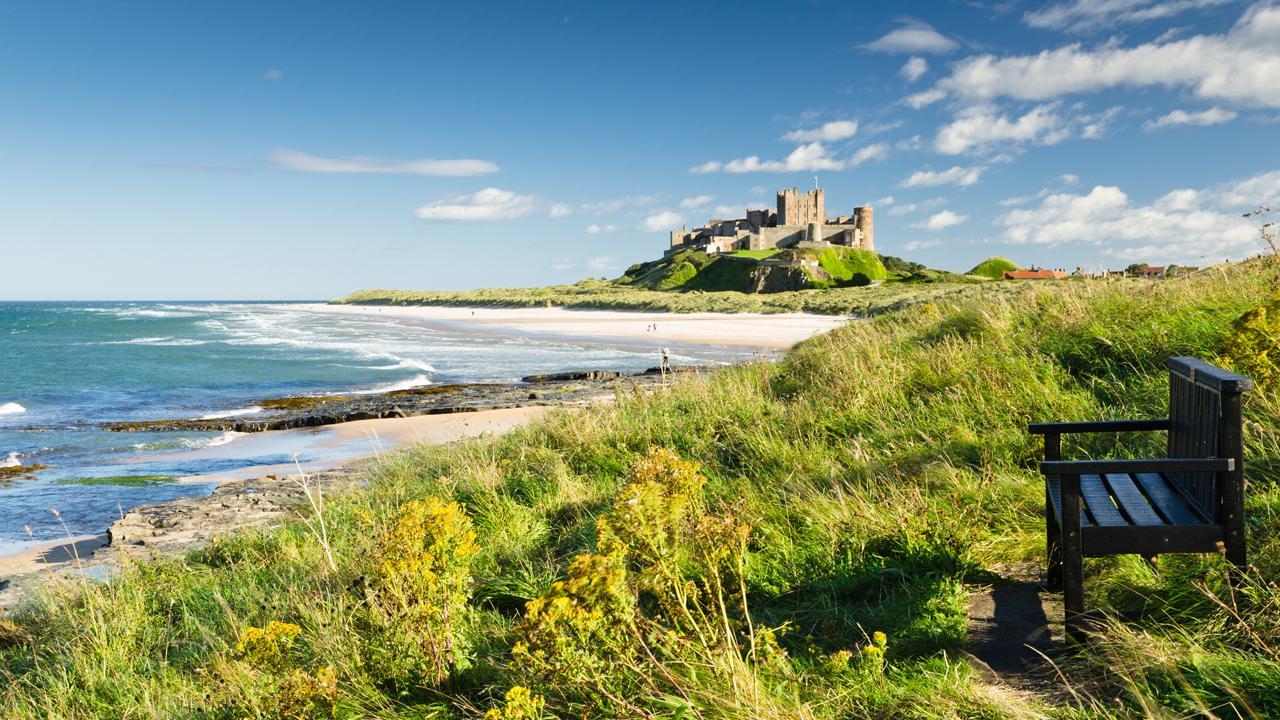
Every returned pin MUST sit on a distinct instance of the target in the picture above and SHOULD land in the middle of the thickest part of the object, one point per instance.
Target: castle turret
(862, 219)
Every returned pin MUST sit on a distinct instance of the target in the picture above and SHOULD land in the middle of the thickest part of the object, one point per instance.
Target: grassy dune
(605, 295)
(797, 545)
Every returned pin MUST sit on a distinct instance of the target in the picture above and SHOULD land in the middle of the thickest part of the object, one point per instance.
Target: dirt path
(1015, 632)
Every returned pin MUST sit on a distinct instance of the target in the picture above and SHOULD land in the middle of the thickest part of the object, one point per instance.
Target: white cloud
(1016, 201)
(1069, 179)
(1263, 189)
(707, 167)
(941, 221)
(885, 201)
(1185, 225)
(1084, 15)
(662, 221)
(1240, 66)
(697, 201)
(913, 37)
(594, 229)
(980, 127)
(487, 204)
(808, 157)
(361, 164)
(875, 151)
(918, 100)
(914, 68)
(829, 132)
(601, 264)
(1212, 116)
(563, 264)
(909, 208)
(916, 245)
(559, 210)
(961, 176)
(274, 75)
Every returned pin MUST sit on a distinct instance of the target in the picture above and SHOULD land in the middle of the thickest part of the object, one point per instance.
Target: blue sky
(305, 149)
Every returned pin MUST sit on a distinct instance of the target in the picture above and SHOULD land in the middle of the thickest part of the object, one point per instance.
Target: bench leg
(1072, 561)
(1053, 545)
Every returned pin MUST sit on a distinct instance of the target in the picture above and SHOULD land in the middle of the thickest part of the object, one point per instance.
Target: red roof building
(1041, 274)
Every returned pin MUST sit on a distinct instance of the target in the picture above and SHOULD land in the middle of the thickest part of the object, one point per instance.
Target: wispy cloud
(487, 204)
(828, 132)
(1087, 15)
(298, 161)
(274, 75)
(594, 229)
(559, 210)
(875, 151)
(1212, 116)
(959, 176)
(697, 201)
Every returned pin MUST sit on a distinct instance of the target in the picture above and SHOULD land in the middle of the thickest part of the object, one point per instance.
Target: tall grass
(879, 468)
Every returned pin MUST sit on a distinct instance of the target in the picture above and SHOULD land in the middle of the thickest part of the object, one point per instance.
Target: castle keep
(800, 220)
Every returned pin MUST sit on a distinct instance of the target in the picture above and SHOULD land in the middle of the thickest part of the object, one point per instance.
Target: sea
(65, 368)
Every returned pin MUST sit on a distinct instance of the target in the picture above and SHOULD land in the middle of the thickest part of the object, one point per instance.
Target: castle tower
(862, 219)
(797, 209)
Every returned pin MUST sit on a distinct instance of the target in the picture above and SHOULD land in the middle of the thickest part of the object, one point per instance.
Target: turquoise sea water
(65, 367)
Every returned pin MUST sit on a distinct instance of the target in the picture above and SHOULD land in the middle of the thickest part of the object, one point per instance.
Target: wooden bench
(1191, 501)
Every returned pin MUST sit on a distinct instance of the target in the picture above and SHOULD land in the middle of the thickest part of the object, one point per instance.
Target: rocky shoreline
(174, 527)
(288, 413)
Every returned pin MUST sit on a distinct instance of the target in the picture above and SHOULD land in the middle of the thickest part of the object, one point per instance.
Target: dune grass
(604, 295)
(774, 540)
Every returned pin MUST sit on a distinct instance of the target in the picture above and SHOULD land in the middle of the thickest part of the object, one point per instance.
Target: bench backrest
(1205, 421)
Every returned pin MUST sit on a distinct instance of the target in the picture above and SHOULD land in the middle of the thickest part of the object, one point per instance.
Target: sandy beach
(767, 331)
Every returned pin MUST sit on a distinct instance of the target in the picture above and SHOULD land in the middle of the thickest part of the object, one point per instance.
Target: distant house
(1034, 274)
(1152, 272)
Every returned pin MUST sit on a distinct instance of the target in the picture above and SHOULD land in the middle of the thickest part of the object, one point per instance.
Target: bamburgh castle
(800, 221)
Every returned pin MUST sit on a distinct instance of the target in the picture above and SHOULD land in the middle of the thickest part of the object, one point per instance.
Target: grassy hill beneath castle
(837, 281)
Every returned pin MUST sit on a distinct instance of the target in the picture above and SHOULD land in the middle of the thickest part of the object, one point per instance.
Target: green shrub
(994, 267)
(1254, 346)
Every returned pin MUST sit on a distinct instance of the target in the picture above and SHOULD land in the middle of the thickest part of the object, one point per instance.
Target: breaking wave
(11, 408)
(413, 382)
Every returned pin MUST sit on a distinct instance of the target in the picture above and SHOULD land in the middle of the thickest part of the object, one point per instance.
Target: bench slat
(1098, 499)
(1055, 492)
(1132, 502)
(1168, 500)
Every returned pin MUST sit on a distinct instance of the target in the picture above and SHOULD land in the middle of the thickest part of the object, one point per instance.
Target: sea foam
(413, 382)
(233, 413)
(11, 408)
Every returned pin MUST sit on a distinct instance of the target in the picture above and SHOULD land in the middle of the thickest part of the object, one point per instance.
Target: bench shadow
(1011, 634)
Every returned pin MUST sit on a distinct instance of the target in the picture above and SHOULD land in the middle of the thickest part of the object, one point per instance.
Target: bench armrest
(1098, 426)
(1156, 465)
